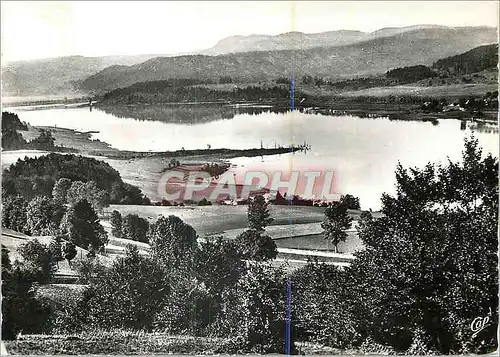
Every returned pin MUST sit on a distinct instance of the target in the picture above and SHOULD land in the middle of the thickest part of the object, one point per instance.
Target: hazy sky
(49, 29)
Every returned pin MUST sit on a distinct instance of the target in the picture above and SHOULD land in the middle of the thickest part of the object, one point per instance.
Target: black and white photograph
(250, 178)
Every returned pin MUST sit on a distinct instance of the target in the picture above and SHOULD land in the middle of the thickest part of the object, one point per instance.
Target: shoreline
(314, 104)
(84, 144)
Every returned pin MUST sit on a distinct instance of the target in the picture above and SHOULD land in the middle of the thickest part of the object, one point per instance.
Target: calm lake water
(362, 152)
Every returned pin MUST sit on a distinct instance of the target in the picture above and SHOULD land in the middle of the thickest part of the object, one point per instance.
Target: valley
(404, 120)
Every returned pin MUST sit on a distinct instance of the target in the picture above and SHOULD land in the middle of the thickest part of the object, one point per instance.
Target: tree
(173, 242)
(37, 176)
(188, 305)
(219, 267)
(307, 79)
(258, 214)
(350, 201)
(12, 140)
(204, 202)
(14, 213)
(322, 306)
(81, 226)
(21, 310)
(255, 310)
(55, 249)
(127, 295)
(256, 246)
(135, 228)
(6, 263)
(116, 224)
(11, 121)
(60, 190)
(430, 264)
(69, 251)
(125, 194)
(88, 269)
(335, 224)
(38, 260)
(45, 141)
(88, 191)
(43, 216)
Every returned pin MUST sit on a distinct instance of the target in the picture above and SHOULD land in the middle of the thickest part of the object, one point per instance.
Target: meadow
(217, 219)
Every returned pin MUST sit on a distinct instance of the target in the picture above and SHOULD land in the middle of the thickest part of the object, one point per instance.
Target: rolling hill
(421, 46)
(56, 76)
(475, 60)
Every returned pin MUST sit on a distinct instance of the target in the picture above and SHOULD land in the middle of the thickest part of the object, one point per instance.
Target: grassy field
(70, 138)
(294, 227)
(317, 242)
(13, 240)
(216, 219)
(211, 216)
(446, 91)
(306, 236)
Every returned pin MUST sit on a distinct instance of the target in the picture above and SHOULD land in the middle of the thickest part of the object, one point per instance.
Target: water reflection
(187, 113)
(199, 113)
(363, 153)
(480, 127)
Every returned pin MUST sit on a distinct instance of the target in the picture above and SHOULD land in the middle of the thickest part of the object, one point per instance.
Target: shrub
(254, 310)
(37, 260)
(21, 311)
(89, 269)
(128, 295)
(255, 246)
(135, 228)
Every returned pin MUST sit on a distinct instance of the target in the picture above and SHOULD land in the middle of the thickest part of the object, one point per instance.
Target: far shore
(367, 103)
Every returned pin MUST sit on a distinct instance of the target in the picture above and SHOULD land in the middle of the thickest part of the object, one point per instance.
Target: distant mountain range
(303, 41)
(335, 54)
(57, 75)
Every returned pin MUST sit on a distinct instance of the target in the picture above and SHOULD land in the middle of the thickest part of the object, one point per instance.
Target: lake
(362, 152)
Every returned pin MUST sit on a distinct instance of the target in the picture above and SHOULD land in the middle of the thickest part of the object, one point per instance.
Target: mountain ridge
(370, 57)
(242, 43)
(72, 74)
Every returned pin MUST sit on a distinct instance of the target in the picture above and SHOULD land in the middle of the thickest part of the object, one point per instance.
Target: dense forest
(167, 92)
(36, 177)
(475, 60)
(410, 74)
